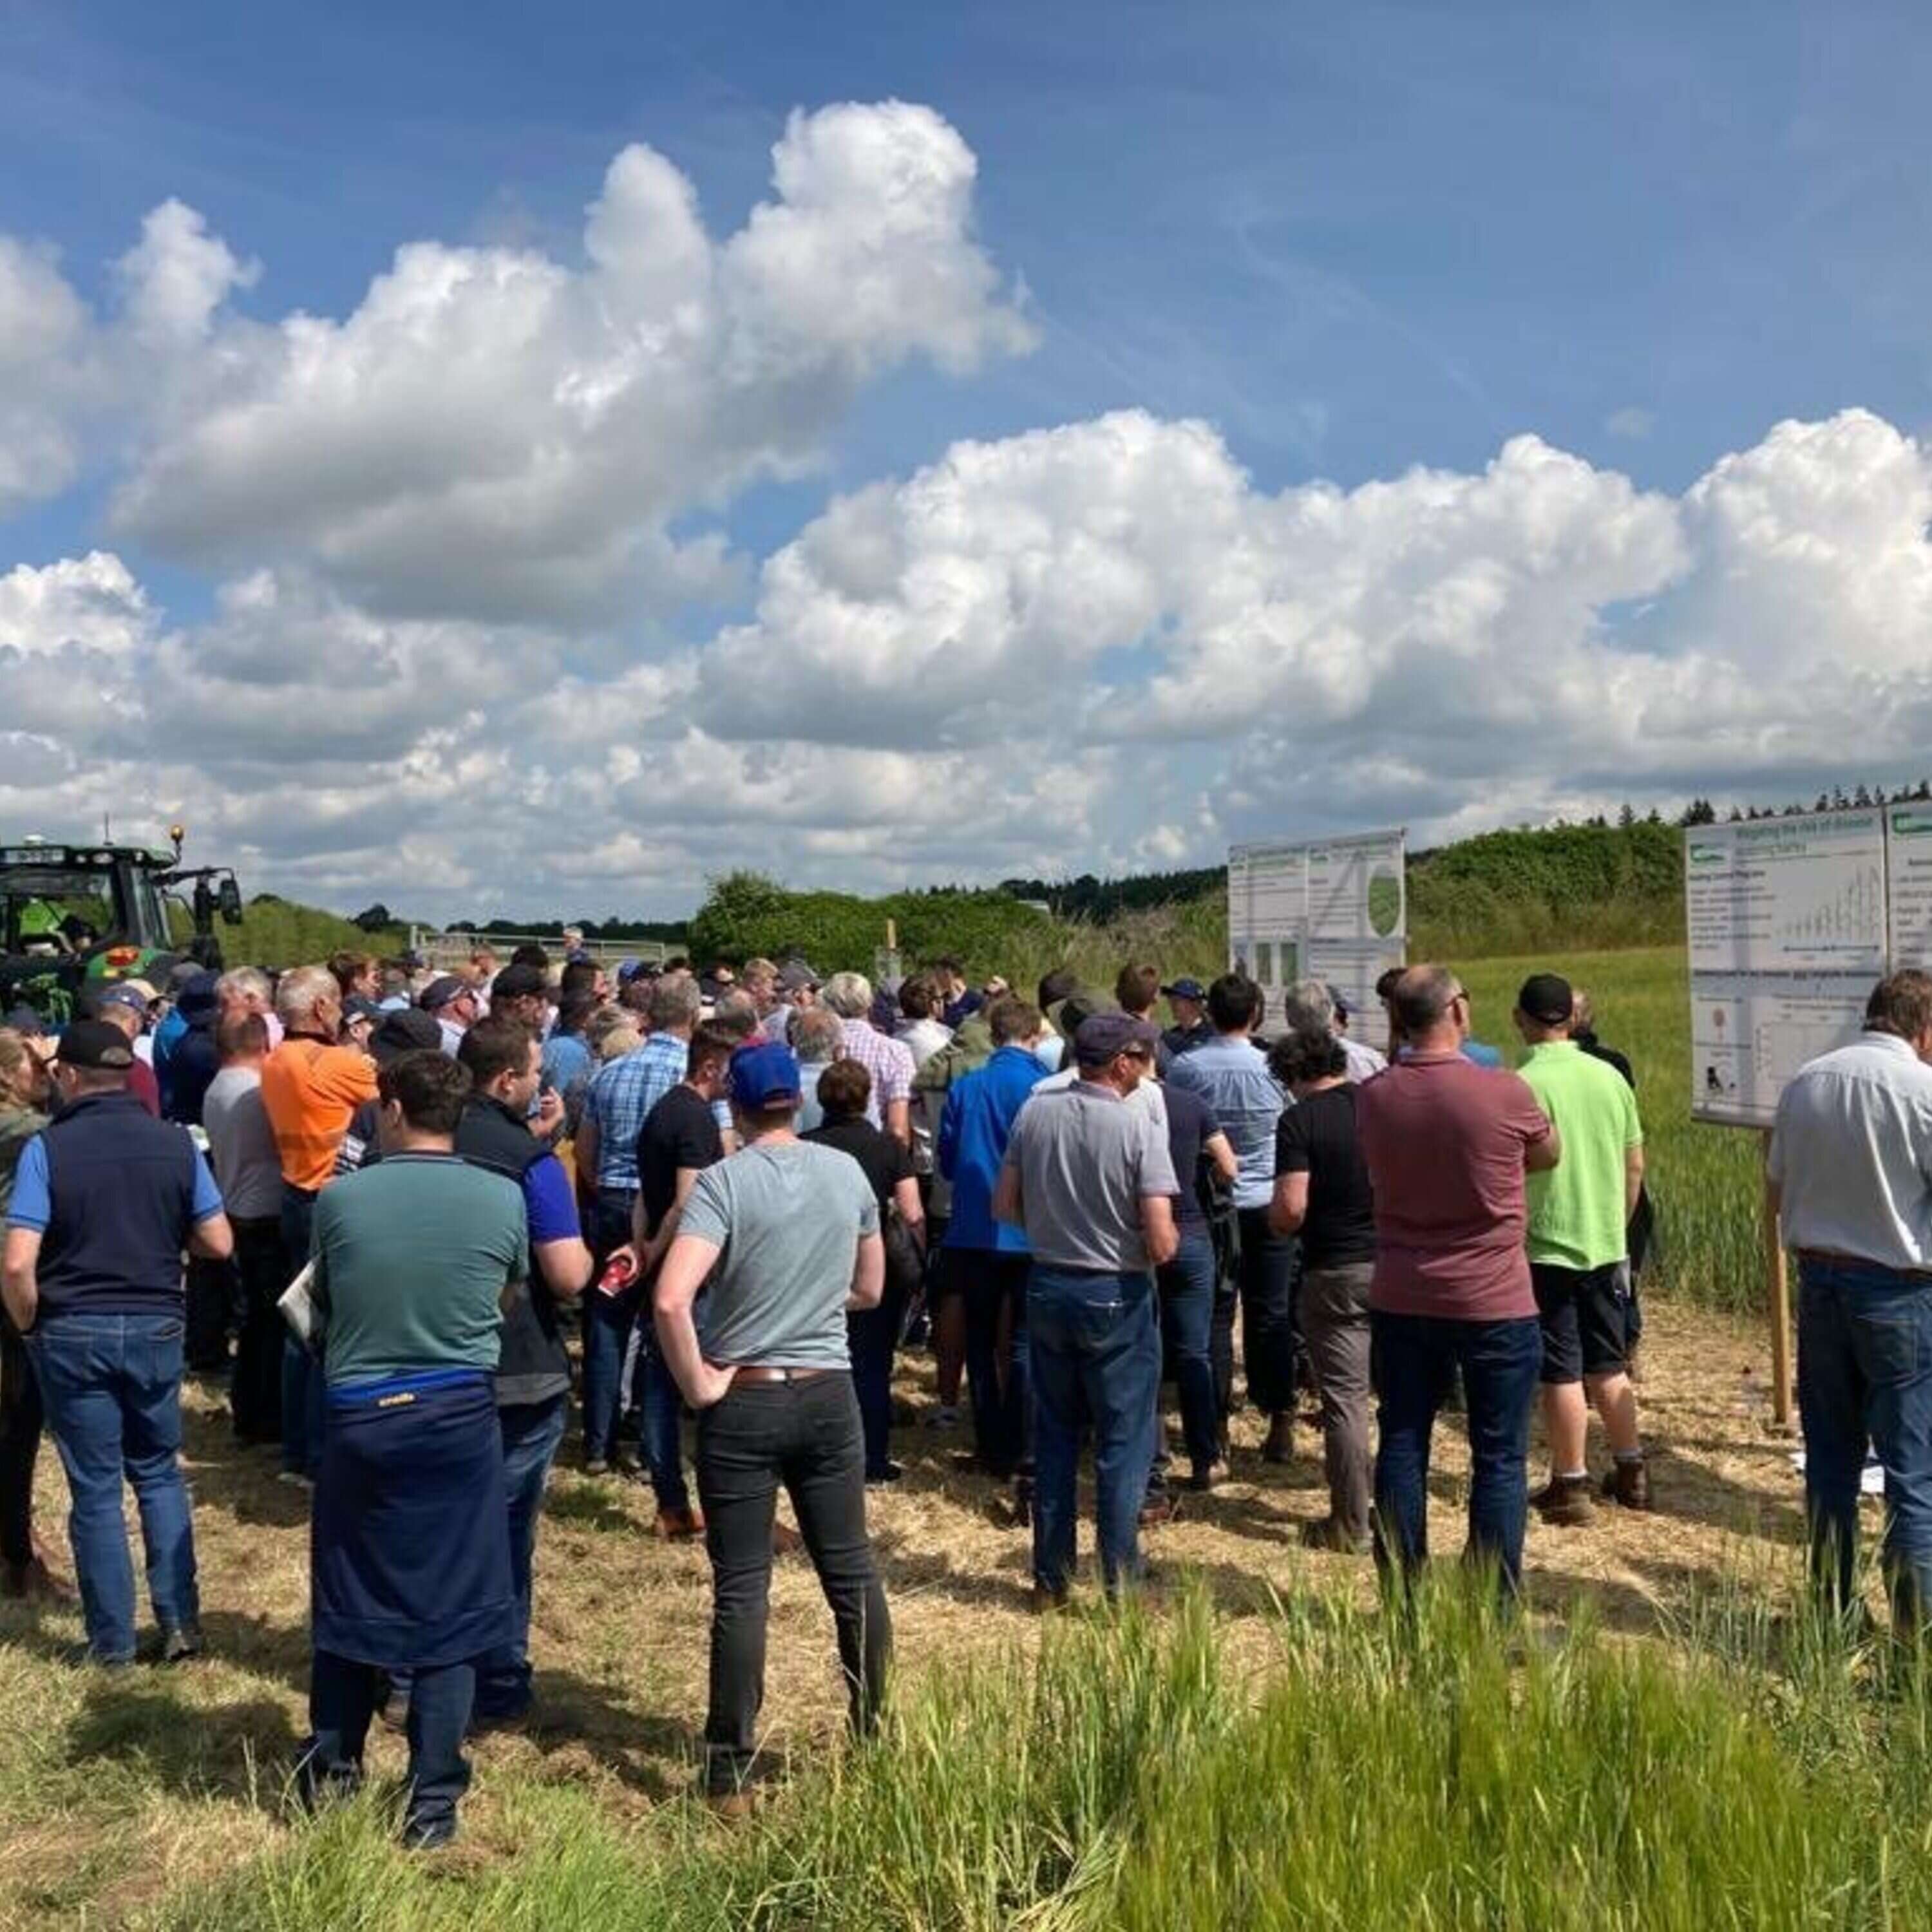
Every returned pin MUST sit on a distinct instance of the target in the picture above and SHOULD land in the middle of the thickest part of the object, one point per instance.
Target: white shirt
(1364, 1062)
(924, 1038)
(1851, 1154)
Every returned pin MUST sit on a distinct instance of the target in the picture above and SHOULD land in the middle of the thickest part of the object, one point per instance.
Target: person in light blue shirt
(1230, 1073)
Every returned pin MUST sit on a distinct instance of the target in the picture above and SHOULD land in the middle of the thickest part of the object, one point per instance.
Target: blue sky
(1353, 240)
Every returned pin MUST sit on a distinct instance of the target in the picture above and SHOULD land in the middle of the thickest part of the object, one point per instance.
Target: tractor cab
(75, 917)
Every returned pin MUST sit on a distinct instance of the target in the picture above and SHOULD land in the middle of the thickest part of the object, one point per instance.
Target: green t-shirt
(411, 1260)
(1576, 1207)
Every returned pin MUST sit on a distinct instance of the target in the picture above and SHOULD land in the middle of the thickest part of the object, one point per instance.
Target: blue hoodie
(978, 1121)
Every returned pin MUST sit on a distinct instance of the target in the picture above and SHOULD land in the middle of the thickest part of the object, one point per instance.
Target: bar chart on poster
(1334, 909)
(1789, 923)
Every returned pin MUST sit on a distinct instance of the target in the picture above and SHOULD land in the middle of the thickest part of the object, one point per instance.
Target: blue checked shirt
(622, 1094)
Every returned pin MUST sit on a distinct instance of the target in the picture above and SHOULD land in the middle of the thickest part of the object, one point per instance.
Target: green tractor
(74, 917)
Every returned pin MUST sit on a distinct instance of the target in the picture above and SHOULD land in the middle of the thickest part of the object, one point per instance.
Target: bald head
(1426, 1010)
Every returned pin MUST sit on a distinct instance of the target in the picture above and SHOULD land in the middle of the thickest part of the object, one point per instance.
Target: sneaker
(892, 1472)
(1329, 1534)
(1279, 1446)
(946, 1416)
(1627, 1485)
(1208, 1476)
(295, 1479)
(180, 1643)
(429, 1835)
(1564, 1501)
(515, 1718)
(1158, 1508)
(678, 1526)
(596, 1466)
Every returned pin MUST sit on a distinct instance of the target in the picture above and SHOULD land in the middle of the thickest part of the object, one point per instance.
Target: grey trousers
(1335, 1324)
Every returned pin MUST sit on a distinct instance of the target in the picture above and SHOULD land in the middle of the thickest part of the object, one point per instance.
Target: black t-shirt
(679, 1131)
(886, 1161)
(1317, 1137)
(1190, 1120)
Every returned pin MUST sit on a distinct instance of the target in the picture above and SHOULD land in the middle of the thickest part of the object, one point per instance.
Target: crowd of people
(741, 1194)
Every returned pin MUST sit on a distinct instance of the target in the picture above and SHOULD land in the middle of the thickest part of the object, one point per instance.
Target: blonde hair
(17, 1060)
(618, 1042)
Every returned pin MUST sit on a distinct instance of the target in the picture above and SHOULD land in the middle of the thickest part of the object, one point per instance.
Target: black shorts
(1585, 1315)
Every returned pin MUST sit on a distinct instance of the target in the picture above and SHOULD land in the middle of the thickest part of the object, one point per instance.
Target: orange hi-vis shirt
(310, 1092)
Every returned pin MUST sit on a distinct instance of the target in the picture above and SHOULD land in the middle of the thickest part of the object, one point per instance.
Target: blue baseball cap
(1186, 989)
(763, 1075)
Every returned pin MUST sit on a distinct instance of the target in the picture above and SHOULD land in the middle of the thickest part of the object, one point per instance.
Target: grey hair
(297, 996)
(674, 1002)
(815, 1033)
(243, 982)
(1308, 1006)
(848, 995)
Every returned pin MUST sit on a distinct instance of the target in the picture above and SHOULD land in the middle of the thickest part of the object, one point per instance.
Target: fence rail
(453, 949)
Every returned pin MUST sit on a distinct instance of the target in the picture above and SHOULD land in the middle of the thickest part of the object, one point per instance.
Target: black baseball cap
(95, 1043)
(516, 981)
(405, 1030)
(1546, 999)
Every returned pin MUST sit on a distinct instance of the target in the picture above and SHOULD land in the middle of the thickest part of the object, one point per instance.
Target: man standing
(679, 1140)
(1230, 1074)
(958, 1001)
(311, 1089)
(984, 1259)
(792, 1232)
(532, 1385)
(1850, 1166)
(888, 1061)
(248, 1170)
(617, 1104)
(1187, 1001)
(1579, 1254)
(415, 1258)
(1310, 1007)
(453, 1004)
(1447, 1144)
(1090, 1180)
(105, 1198)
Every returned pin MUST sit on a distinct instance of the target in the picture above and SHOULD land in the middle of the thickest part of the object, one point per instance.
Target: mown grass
(1446, 1773)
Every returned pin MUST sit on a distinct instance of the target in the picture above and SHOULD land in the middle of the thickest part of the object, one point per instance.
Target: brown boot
(678, 1526)
(1279, 1446)
(1565, 1501)
(1627, 1485)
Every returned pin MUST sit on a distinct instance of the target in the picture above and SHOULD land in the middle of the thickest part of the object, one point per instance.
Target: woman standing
(23, 1571)
(873, 1334)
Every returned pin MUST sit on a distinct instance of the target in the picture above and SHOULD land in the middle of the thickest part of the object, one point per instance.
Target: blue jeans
(111, 1386)
(994, 1286)
(1865, 1372)
(1415, 1356)
(608, 1322)
(1096, 1358)
(1187, 1316)
(660, 1421)
(342, 1697)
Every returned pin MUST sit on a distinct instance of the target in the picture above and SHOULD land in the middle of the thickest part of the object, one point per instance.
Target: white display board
(1789, 925)
(1333, 909)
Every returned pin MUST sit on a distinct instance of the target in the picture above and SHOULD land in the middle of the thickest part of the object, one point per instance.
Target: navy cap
(1106, 1034)
(515, 982)
(440, 991)
(1185, 989)
(763, 1075)
(405, 1030)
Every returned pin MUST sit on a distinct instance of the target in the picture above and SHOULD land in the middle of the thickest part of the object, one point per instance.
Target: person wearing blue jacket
(989, 1259)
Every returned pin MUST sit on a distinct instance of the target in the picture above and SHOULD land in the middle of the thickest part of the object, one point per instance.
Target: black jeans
(997, 1356)
(21, 1420)
(805, 1435)
(1267, 1312)
(872, 1335)
(255, 1392)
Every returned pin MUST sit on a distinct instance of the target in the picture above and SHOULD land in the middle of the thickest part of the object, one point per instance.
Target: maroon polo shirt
(1444, 1141)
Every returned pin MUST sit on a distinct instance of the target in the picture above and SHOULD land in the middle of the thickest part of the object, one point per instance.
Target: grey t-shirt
(788, 1215)
(1085, 1160)
(241, 1144)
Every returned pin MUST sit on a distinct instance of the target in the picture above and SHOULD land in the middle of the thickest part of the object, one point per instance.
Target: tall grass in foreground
(1367, 1774)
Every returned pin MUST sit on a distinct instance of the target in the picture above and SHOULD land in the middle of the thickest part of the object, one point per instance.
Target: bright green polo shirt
(1576, 1207)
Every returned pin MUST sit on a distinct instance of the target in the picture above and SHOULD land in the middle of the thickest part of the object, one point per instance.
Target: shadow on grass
(238, 1751)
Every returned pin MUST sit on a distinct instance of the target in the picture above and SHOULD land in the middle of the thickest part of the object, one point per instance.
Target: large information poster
(1334, 909)
(1789, 925)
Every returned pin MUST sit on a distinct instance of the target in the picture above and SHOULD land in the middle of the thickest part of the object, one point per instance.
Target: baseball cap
(357, 1008)
(197, 1000)
(23, 1020)
(1104, 1035)
(795, 976)
(515, 982)
(440, 991)
(1185, 989)
(98, 1043)
(408, 1030)
(123, 993)
(1546, 999)
(763, 1075)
